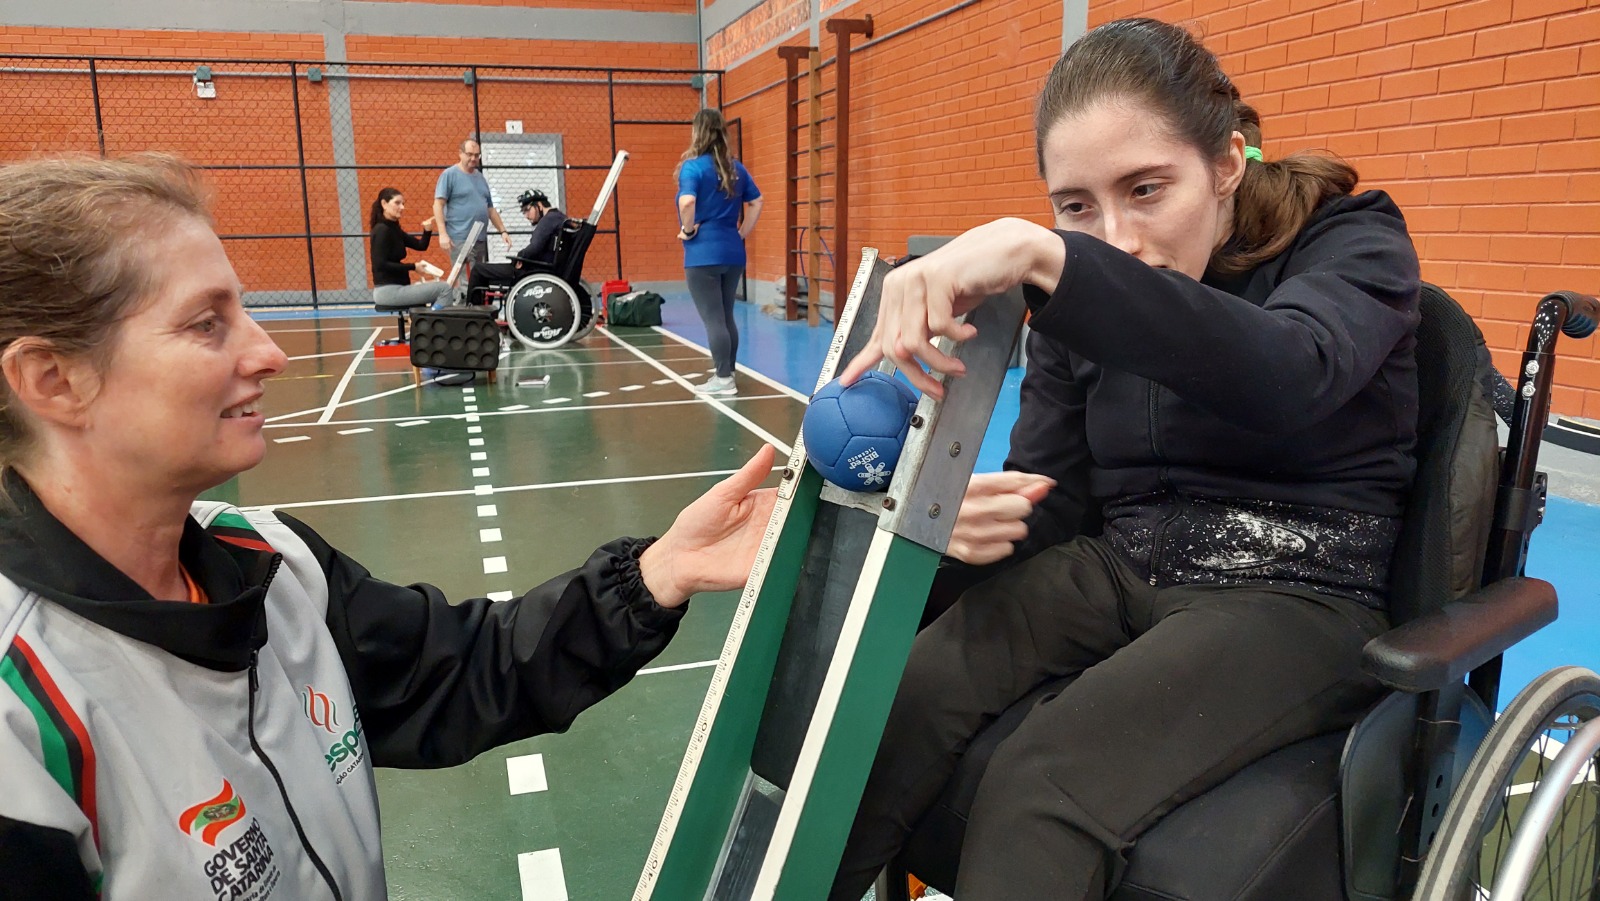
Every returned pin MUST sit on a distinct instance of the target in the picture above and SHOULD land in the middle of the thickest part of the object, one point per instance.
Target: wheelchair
(1352, 814)
(549, 306)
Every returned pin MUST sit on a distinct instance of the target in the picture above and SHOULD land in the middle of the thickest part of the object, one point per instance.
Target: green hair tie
(1253, 153)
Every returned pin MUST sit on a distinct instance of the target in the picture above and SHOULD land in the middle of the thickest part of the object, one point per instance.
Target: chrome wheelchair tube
(1527, 843)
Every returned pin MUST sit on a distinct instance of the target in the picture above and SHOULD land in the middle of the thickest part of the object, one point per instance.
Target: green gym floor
(485, 492)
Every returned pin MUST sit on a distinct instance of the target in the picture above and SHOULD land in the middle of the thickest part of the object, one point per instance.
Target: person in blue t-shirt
(462, 197)
(718, 205)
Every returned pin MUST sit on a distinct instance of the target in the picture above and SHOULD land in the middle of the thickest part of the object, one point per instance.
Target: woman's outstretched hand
(921, 300)
(712, 544)
(994, 513)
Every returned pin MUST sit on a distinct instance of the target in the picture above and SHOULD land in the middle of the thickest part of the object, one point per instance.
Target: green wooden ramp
(780, 753)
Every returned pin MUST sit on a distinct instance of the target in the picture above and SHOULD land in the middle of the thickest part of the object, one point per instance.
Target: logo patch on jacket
(244, 869)
(208, 818)
(346, 753)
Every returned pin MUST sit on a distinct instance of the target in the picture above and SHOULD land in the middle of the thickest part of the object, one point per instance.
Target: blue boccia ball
(854, 435)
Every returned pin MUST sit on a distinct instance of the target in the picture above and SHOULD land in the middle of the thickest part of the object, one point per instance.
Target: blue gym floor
(1563, 551)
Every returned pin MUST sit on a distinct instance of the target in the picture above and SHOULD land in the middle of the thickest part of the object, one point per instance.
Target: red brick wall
(648, 6)
(1481, 118)
(416, 122)
(941, 123)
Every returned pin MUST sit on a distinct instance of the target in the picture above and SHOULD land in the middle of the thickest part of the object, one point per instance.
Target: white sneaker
(717, 387)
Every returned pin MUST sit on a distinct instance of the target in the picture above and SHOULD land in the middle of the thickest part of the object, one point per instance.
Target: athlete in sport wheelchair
(1350, 815)
(541, 293)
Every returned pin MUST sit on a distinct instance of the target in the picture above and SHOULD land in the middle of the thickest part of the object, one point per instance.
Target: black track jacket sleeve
(1346, 296)
(389, 243)
(38, 863)
(438, 683)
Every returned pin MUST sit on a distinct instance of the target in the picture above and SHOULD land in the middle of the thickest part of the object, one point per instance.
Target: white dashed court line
(525, 774)
(493, 565)
(331, 353)
(513, 408)
(475, 442)
(291, 438)
(596, 393)
(635, 387)
(558, 400)
(471, 408)
(488, 536)
(500, 595)
(473, 417)
(474, 429)
(487, 510)
(483, 489)
(354, 431)
(480, 472)
(411, 422)
(504, 489)
(479, 456)
(541, 875)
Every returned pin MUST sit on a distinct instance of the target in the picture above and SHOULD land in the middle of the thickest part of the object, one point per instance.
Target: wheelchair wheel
(1490, 803)
(545, 312)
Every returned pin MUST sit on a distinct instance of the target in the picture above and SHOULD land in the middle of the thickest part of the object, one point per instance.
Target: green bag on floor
(640, 308)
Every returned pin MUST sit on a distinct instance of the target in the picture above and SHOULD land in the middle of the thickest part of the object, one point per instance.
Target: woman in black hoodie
(1204, 486)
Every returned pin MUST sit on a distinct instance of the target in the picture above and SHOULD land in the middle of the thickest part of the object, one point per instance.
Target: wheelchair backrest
(572, 244)
(1445, 532)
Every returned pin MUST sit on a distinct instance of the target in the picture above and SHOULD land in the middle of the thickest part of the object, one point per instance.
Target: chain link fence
(295, 152)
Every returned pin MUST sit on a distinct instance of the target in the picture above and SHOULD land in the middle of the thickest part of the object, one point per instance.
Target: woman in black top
(391, 274)
(1205, 482)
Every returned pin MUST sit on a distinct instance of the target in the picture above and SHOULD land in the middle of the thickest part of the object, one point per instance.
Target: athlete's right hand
(992, 515)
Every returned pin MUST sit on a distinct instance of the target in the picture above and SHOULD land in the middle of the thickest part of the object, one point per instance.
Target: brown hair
(709, 134)
(1168, 69)
(74, 235)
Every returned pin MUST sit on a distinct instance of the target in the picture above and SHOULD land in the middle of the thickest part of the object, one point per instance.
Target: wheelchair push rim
(544, 312)
(1493, 798)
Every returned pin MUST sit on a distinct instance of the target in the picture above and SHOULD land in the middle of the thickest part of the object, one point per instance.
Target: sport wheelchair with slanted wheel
(549, 306)
(1350, 815)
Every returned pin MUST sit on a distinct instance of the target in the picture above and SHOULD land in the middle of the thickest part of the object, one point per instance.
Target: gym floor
(488, 490)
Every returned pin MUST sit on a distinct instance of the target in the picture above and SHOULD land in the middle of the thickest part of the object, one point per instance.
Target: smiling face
(1113, 171)
(179, 397)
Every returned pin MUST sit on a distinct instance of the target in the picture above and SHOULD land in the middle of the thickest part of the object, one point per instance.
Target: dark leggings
(1177, 689)
(713, 289)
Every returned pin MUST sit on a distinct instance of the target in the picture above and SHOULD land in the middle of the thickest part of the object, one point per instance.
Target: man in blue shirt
(461, 198)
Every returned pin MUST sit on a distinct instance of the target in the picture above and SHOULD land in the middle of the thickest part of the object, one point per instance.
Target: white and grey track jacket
(159, 749)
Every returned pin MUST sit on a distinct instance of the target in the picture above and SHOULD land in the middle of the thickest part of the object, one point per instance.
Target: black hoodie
(1255, 427)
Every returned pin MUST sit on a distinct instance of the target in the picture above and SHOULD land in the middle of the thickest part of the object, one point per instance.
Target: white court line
(333, 402)
(525, 774)
(354, 400)
(676, 667)
(500, 595)
(354, 431)
(488, 536)
(480, 472)
(598, 393)
(479, 456)
(506, 489)
(540, 875)
(487, 510)
(769, 382)
(758, 431)
(492, 565)
(291, 438)
(331, 353)
(407, 421)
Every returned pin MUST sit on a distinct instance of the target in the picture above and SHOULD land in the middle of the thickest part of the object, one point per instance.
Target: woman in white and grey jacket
(192, 699)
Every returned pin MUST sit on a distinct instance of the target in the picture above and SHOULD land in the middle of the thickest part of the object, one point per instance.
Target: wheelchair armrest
(1435, 650)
